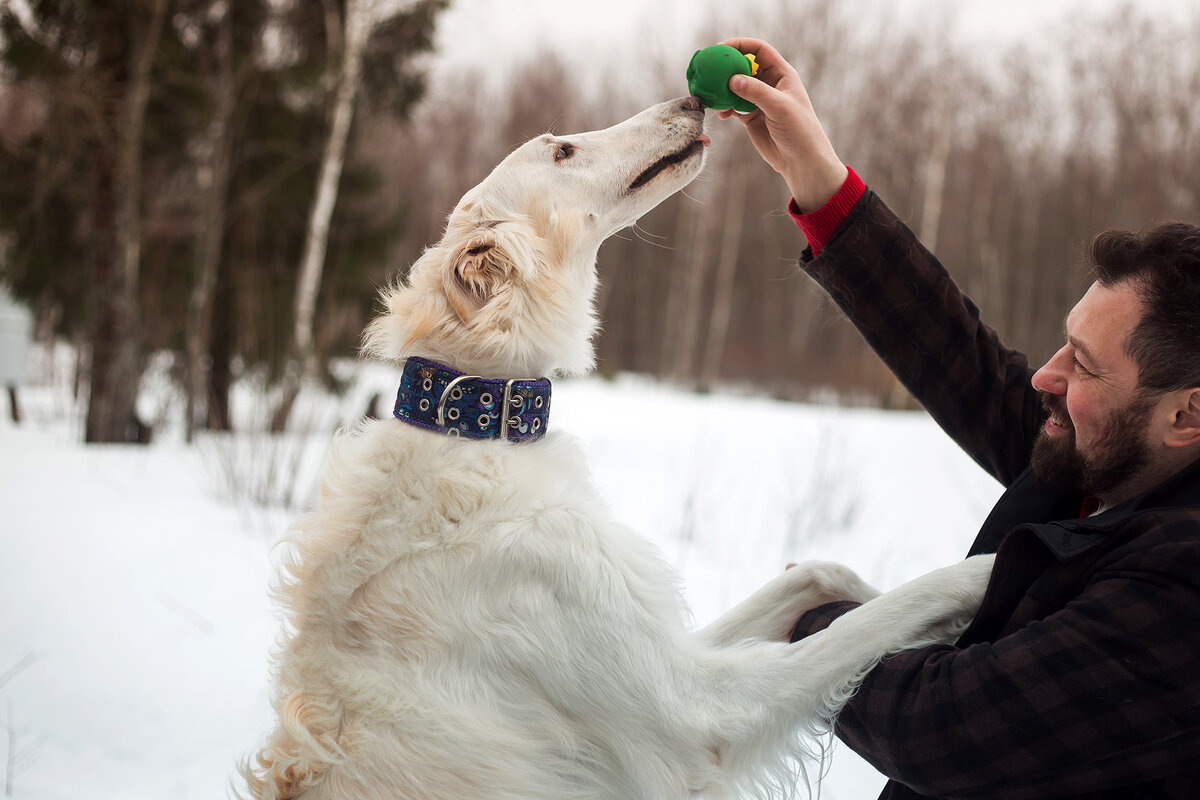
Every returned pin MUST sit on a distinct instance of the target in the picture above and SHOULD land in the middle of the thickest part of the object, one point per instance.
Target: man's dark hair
(1164, 264)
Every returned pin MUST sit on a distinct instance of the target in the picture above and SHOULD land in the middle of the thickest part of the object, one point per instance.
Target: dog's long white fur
(467, 620)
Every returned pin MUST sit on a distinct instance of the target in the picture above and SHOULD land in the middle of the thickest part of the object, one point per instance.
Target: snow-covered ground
(134, 617)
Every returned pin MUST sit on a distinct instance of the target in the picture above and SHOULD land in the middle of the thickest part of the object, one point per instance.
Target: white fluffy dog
(467, 620)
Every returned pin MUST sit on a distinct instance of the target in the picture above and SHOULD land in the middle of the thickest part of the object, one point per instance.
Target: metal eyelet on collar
(451, 388)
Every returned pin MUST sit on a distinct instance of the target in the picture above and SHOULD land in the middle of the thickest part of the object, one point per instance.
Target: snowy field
(134, 617)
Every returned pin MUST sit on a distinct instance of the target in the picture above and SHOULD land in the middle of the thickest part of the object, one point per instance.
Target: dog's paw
(828, 582)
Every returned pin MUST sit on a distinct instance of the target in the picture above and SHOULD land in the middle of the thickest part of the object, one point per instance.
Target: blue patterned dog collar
(438, 398)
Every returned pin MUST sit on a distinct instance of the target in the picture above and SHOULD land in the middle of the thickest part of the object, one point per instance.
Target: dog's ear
(474, 273)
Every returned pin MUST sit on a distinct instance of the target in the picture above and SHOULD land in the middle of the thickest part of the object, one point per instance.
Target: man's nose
(1051, 377)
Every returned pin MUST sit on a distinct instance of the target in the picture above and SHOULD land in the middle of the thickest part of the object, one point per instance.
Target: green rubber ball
(708, 77)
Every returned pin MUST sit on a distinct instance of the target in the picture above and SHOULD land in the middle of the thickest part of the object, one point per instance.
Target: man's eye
(1080, 366)
(564, 151)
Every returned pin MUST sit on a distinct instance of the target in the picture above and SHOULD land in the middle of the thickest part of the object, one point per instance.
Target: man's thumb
(750, 89)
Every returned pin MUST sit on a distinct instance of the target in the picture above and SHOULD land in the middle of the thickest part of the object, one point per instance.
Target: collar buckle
(514, 421)
(454, 393)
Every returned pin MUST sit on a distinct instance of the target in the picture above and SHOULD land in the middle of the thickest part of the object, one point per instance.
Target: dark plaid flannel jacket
(1080, 677)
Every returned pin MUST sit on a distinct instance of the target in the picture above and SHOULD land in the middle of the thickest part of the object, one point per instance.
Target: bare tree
(935, 181)
(211, 235)
(726, 269)
(115, 368)
(347, 37)
(688, 267)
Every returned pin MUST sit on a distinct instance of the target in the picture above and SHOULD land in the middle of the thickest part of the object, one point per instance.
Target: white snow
(136, 626)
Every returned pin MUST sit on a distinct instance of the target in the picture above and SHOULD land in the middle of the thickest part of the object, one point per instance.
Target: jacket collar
(1181, 489)
(1068, 537)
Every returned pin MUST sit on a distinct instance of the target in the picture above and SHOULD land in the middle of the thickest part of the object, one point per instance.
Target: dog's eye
(565, 150)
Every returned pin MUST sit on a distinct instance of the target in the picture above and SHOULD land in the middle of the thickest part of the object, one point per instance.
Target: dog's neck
(439, 398)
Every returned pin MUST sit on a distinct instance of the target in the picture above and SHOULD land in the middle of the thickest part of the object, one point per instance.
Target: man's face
(1096, 437)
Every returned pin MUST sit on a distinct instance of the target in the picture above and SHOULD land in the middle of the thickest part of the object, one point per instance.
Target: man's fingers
(765, 97)
(764, 53)
(771, 65)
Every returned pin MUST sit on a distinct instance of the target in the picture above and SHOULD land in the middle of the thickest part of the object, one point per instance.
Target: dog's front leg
(756, 697)
(933, 609)
(771, 612)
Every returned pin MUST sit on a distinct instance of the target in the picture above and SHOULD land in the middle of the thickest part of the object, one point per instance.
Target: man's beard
(1118, 455)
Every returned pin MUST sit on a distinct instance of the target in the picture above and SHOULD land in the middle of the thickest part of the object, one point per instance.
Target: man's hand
(785, 129)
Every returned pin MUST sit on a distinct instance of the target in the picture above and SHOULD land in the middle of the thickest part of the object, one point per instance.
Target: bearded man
(1080, 676)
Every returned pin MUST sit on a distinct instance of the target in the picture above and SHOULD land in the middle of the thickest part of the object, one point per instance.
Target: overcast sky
(500, 31)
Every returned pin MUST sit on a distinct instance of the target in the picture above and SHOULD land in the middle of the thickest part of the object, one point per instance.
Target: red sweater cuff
(820, 225)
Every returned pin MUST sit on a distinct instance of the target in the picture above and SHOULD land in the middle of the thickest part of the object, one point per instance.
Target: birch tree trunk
(723, 290)
(935, 184)
(302, 362)
(683, 287)
(212, 233)
(115, 370)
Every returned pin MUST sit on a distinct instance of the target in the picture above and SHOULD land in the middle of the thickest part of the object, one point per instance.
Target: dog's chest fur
(440, 579)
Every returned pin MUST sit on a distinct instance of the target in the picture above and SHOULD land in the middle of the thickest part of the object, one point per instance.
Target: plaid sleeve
(1102, 694)
(820, 618)
(929, 334)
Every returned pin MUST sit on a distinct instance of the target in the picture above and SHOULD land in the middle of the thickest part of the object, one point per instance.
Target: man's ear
(1185, 428)
(473, 274)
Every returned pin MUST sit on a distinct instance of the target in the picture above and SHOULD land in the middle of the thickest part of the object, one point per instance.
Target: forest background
(228, 184)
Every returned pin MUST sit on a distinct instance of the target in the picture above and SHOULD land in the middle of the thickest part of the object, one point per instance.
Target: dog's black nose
(691, 104)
